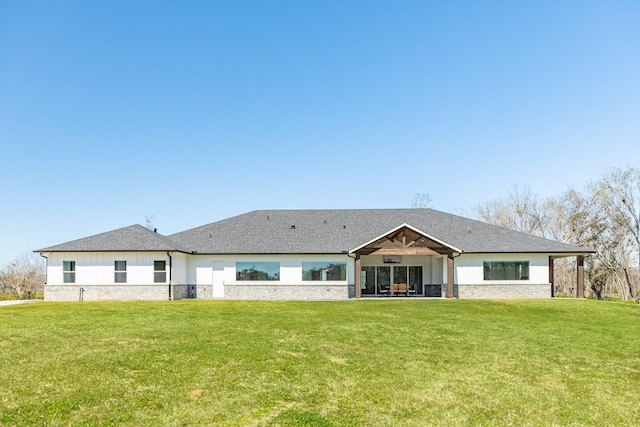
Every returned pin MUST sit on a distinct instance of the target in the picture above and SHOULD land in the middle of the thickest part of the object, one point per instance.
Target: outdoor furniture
(383, 291)
(393, 289)
(402, 288)
(411, 290)
(398, 289)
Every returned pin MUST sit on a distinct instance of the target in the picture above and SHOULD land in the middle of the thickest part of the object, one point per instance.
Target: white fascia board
(453, 248)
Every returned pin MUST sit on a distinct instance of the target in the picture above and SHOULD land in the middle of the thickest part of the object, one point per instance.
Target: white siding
(180, 267)
(201, 267)
(95, 276)
(98, 268)
(469, 268)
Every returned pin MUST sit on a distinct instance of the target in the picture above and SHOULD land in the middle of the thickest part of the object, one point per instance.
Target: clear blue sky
(196, 111)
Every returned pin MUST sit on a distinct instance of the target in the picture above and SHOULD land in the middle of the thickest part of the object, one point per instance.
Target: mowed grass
(388, 362)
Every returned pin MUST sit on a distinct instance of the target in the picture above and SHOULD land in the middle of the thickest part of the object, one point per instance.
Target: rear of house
(309, 255)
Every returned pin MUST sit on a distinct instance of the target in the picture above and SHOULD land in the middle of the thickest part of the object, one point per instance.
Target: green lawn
(386, 362)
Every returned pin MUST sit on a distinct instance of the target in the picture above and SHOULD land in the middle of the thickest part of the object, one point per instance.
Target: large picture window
(319, 271)
(68, 271)
(159, 271)
(121, 272)
(258, 271)
(506, 270)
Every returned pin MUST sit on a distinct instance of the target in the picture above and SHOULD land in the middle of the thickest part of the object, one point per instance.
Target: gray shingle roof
(132, 238)
(317, 231)
(338, 231)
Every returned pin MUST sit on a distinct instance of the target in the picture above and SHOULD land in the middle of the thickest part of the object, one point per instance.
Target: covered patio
(404, 262)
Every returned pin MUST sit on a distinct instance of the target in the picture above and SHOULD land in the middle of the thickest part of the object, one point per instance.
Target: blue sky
(192, 112)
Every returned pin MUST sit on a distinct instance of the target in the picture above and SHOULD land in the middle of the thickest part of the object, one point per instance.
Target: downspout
(46, 272)
(46, 268)
(170, 270)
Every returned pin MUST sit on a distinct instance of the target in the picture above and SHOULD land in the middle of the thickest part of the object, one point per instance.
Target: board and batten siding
(98, 268)
(470, 283)
(95, 277)
(290, 286)
(179, 267)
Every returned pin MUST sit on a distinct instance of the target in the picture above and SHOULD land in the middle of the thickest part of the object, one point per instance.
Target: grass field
(385, 362)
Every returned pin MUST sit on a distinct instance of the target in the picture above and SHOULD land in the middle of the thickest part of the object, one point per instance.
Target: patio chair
(393, 288)
(412, 290)
(402, 288)
(383, 291)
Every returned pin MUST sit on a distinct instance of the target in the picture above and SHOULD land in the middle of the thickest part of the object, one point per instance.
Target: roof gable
(417, 239)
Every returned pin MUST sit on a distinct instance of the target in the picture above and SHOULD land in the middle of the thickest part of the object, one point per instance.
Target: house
(310, 255)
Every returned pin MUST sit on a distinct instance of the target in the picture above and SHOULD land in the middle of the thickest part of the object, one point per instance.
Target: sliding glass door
(376, 280)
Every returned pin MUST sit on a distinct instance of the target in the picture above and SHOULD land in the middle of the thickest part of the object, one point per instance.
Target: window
(68, 271)
(258, 271)
(324, 271)
(159, 271)
(506, 270)
(121, 272)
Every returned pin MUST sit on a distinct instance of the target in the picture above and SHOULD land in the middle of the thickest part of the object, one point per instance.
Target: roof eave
(45, 250)
(551, 253)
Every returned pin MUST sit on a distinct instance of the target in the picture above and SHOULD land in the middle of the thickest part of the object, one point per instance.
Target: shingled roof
(318, 232)
(134, 238)
(340, 231)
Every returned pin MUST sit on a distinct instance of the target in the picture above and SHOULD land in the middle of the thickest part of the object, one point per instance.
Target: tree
(421, 200)
(24, 276)
(148, 219)
(618, 199)
(520, 210)
(575, 219)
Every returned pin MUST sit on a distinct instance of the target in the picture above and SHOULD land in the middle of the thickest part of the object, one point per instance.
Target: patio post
(551, 276)
(450, 276)
(358, 293)
(580, 276)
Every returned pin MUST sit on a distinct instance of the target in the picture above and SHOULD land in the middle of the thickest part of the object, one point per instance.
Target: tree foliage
(605, 217)
(520, 210)
(421, 200)
(23, 277)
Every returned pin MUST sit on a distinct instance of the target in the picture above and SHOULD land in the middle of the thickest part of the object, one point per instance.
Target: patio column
(358, 293)
(580, 276)
(449, 276)
(551, 276)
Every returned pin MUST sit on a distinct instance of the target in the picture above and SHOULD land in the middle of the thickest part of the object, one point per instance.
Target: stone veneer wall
(286, 292)
(493, 291)
(201, 291)
(106, 292)
(179, 291)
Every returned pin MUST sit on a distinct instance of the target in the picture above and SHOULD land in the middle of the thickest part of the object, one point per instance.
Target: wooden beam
(580, 276)
(358, 284)
(403, 251)
(449, 276)
(551, 276)
(410, 244)
(396, 243)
